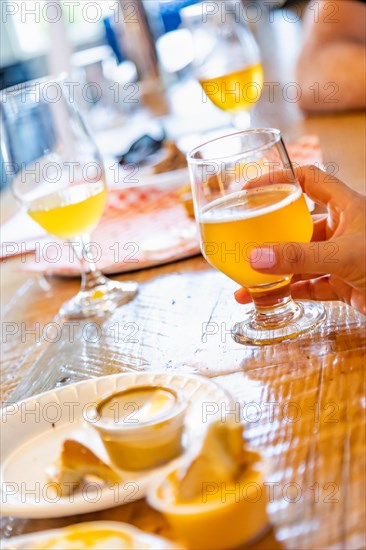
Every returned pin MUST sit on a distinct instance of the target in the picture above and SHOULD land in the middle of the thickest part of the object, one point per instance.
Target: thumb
(292, 257)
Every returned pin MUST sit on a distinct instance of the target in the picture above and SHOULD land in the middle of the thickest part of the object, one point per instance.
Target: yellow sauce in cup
(95, 535)
(141, 427)
(75, 537)
(223, 516)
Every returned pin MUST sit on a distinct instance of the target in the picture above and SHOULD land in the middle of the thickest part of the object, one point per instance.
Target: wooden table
(309, 395)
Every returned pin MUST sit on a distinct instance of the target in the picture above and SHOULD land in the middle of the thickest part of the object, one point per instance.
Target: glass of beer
(226, 58)
(57, 175)
(235, 216)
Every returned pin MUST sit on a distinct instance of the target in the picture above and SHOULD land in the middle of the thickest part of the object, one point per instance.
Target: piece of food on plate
(173, 159)
(141, 427)
(213, 184)
(218, 500)
(160, 155)
(95, 535)
(222, 460)
(185, 197)
(75, 466)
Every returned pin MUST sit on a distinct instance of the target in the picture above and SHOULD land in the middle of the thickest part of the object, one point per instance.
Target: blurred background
(26, 25)
(140, 49)
(27, 28)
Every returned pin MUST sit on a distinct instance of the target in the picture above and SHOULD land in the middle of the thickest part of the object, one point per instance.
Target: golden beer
(237, 91)
(234, 225)
(71, 211)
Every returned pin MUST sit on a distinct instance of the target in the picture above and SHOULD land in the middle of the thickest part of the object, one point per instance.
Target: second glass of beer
(235, 215)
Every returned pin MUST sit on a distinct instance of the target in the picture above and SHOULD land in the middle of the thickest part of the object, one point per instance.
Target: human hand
(333, 265)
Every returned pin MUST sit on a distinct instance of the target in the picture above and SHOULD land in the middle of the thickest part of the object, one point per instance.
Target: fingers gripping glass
(234, 221)
(56, 173)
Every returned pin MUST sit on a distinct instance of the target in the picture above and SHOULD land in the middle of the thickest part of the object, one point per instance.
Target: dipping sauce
(137, 405)
(203, 523)
(141, 427)
(103, 539)
(99, 535)
(222, 486)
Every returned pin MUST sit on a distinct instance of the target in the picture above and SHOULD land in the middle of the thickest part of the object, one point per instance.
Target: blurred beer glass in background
(102, 86)
(60, 181)
(227, 60)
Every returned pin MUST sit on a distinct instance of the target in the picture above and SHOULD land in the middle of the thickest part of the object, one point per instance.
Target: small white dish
(33, 431)
(148, 436)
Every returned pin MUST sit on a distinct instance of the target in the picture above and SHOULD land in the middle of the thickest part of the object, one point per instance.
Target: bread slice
(75, 465)
(223, 459)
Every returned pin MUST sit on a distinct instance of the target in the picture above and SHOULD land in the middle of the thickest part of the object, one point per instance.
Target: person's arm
(331, 66)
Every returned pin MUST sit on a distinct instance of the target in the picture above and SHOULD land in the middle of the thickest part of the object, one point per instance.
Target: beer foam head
(250, 203)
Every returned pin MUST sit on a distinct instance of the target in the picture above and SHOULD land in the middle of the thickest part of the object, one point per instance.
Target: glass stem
(91, 276)
(241, 120)
(275, 307)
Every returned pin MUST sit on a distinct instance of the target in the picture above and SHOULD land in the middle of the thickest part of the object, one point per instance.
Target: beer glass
(226, 58)
(57, 175)
(233, 221)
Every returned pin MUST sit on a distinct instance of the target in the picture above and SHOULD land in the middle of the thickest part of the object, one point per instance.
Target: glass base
(100, 300)
(306, 316)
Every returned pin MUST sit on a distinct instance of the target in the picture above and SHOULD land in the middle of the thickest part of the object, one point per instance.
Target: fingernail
(262, 258)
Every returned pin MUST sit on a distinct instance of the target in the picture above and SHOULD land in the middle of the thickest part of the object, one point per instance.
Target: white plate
(33, 430)
(165, 180)
(129, 176)
(141, 539)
